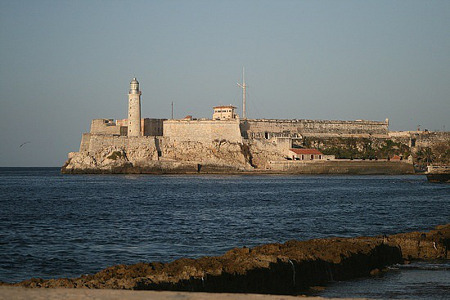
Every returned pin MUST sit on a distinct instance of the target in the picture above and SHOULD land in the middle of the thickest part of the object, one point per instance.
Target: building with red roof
(305, 154)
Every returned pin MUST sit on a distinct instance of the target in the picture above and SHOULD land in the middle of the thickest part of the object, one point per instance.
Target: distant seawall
(281, 167)
(361, 167)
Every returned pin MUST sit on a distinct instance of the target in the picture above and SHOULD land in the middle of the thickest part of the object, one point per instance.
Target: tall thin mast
(244, 87)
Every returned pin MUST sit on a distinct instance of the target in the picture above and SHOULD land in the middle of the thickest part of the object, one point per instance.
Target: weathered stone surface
(288, 268)
(354, 167)
(263, 128)
(196, 153)
(117, 154)
(202, 130)
(218, 156)
(424, 245)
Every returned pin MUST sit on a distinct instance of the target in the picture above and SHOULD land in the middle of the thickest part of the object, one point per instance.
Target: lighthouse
(134, 109)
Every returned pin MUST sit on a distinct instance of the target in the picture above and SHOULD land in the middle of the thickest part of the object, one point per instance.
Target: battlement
(107, 126)
(97, 142)
(202, 130)
(268, 128)
(149, 127)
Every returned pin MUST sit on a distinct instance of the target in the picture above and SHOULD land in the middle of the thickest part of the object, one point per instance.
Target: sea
(54, 225)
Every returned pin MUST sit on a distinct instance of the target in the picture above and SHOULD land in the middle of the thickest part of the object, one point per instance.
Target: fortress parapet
(202, 130)
(107, 126)
(268, 128)
(148, 127)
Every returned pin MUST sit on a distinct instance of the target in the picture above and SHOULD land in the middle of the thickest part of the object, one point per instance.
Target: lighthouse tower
(134, 109)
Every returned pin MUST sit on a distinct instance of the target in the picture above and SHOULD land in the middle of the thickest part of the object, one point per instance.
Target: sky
(64, 63)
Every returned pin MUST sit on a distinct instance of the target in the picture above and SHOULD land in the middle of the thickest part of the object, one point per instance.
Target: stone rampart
(104, 126)
(420, 139)
(268, 128)
(149, 127)
(98, 142)
(402, 134)
(85, 141)
(202, 130)
(431, 138)
(342, 167)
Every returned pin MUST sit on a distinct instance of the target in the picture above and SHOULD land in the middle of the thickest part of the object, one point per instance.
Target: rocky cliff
(101, 153)
(159, 155)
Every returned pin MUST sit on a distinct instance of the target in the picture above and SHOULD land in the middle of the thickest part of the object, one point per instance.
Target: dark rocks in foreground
(289, 268)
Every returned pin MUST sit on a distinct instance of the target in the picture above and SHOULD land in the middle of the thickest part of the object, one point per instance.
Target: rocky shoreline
(309, 168)
(104, 154)
(289, 268)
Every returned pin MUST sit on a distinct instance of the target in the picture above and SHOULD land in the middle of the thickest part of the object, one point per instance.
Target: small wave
(428, 266)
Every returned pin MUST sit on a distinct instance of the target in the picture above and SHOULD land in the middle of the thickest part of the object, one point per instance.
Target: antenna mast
(243, 86)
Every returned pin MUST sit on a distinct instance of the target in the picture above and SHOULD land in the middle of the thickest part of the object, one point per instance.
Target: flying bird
(23, 144)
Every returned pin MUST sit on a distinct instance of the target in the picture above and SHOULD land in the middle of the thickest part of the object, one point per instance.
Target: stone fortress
(226, 143)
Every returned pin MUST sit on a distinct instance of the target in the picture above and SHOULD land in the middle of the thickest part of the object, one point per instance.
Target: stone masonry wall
(428, 138)
(85, 141)
(202, 130)
(266, 128)
(104, 126)
(342, 167)
(149, 127)
(98, 142)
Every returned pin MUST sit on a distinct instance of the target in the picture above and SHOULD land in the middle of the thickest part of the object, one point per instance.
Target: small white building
(224, 112)
(305, 154)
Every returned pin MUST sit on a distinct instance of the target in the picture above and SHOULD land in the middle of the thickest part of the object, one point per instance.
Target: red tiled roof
(306, 151)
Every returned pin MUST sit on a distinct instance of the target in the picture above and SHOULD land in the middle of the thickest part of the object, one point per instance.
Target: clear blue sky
(63, 63)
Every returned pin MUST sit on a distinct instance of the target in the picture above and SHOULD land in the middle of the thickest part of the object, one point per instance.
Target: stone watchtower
(134, 109)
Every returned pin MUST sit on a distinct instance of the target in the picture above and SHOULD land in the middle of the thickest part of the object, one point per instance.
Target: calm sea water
(54, 225)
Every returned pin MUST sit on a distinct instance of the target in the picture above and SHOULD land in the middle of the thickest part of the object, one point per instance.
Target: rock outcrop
(163, 156)
(100, 153)
(289, 268)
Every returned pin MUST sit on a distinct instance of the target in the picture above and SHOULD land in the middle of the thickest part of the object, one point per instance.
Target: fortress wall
(401, 134)
(265, 128)
(142, 141)
(85, 141)
(98, 142)
(202, 130)
(420, 138)
(149, 127)
(104, 126)
(431, 138)
(342, 167)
